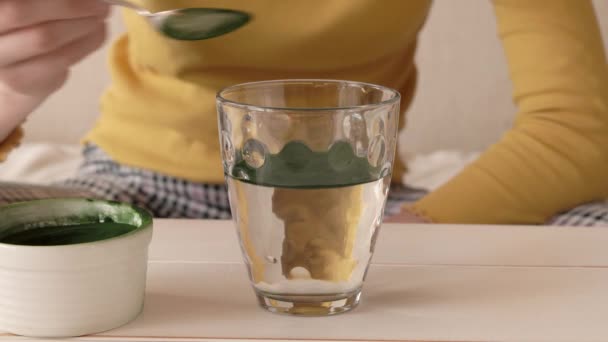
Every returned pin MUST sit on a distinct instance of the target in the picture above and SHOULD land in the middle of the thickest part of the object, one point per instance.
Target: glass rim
(396, 96)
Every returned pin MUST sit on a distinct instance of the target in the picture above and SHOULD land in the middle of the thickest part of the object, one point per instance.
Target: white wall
(463, 100)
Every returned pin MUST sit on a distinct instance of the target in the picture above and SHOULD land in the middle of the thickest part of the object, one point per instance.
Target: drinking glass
(308, 167)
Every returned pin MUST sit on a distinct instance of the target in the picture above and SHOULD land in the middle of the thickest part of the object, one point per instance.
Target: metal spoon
(190, 23)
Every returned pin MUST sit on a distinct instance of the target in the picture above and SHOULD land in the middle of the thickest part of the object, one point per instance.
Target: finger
(47, 72)
(43, 38)
(15, 14)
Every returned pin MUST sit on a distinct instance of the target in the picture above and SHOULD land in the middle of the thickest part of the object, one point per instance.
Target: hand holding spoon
(190, 23)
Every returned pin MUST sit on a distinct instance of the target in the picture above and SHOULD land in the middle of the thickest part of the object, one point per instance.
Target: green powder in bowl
(57, 222)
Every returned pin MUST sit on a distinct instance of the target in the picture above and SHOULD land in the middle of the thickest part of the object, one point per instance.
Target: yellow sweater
(160, 114)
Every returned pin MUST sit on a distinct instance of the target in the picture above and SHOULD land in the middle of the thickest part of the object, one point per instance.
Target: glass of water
(308, 166)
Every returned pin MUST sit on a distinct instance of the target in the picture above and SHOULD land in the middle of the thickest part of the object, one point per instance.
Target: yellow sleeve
(556, 155)
(10, 143)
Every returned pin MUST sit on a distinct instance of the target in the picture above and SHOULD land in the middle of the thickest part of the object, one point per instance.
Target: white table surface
(427, 283)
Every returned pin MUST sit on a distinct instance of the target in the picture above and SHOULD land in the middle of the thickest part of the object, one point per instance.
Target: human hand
(39, 41)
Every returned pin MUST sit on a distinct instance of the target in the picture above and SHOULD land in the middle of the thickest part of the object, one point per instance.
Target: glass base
(309, 305)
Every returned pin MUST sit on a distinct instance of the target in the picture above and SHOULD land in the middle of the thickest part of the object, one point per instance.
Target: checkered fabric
(587, 215)
(400, 195)
(15, 192)
(164, 196)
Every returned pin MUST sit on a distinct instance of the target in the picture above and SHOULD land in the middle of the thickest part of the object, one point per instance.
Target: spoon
(190, 23)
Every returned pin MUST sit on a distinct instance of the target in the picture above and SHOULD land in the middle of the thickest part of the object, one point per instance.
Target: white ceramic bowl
(75, 289)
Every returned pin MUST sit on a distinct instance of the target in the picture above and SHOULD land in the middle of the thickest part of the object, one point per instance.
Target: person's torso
(160, 111)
